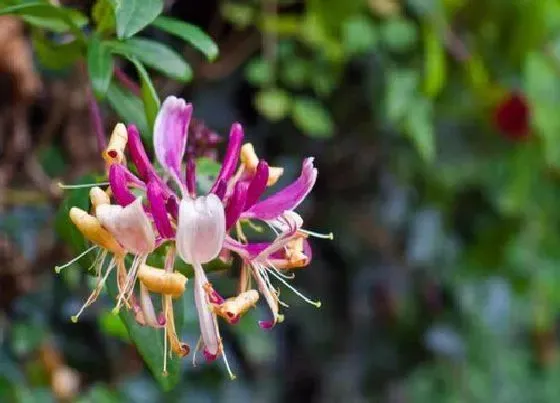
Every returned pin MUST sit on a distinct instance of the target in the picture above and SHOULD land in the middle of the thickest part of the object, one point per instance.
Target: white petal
(201, 229)
(129, 225)
(207, 319)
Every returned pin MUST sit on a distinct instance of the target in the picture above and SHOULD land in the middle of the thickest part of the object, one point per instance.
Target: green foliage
(130, 108)
(131, 16)
(189, 33)
(100, 66)
(312, 118)
(149, 96)
(155, 55)
(45, 15)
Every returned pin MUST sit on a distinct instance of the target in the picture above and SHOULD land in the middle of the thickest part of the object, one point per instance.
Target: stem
(95, 116)
(127, 82)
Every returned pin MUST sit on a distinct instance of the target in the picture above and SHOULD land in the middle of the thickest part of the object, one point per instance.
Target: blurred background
(436, 131)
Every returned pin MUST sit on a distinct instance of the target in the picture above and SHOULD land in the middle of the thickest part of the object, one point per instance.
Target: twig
(127, 82)
(95, 116)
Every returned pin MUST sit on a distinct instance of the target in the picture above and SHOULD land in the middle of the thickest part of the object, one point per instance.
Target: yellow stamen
(114, 153)
(92, 230)
(98, 197)
(274, 173)
(179, 348)
(161, 282)
(250, 160)
(249, 157)
(231, 308)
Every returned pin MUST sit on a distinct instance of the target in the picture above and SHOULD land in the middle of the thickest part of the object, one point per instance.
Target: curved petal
(236, 204)
(170, 134)
(288, 198)
(138, 154)
(158, 208)
(119, 185)
(257, 185)
(207, 319)
(232, 156)
(129, 225)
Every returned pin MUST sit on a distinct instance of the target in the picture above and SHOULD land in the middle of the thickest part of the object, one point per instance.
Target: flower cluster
(150, 209)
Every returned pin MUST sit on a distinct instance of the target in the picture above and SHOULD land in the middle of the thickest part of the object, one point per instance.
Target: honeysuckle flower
(198, 228)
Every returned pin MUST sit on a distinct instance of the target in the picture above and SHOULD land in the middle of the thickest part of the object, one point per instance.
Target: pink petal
(158, 208)
(288, 198)
(232, 156)
(257, 185)
(119, 185)
(170, 134)
(190, 176)
(236, 203)
(138, 154)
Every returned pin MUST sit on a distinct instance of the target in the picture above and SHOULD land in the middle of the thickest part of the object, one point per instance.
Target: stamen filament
(93, 296)
(58, 269)
(330, 235)
(284, 275)
(295, 291)
(224, 357)
(82, 185)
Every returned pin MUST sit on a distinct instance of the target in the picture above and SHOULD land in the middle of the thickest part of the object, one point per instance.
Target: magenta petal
(172, 206)
(119, 185)
(215, 298)
(133, 179)
(288, 198)
(236, 204)
(208, 355)
(138, 153)
(266, 324)
(221, 189)
(190, 176)
(232, 156)
(158, 209)
(170, 134)
(257, 185)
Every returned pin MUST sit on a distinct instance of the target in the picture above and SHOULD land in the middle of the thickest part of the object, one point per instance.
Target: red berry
(512, 116)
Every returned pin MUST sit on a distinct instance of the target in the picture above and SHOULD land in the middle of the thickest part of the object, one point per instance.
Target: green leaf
(435, 67)
(296, 73)
(399, 35)
(129, 107)
(52, 160)
(240, 15)
(273, 103)
(100, 66)
(312, 118)
(113, 325)
(258, 72)
(133, 15)
(401, 92)
(543, 91)
(44, 15)
(149, 95)
(54, 56)
(155, 55)
(103, 13)
(359, 35)
(190, 33)
(419, 127)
